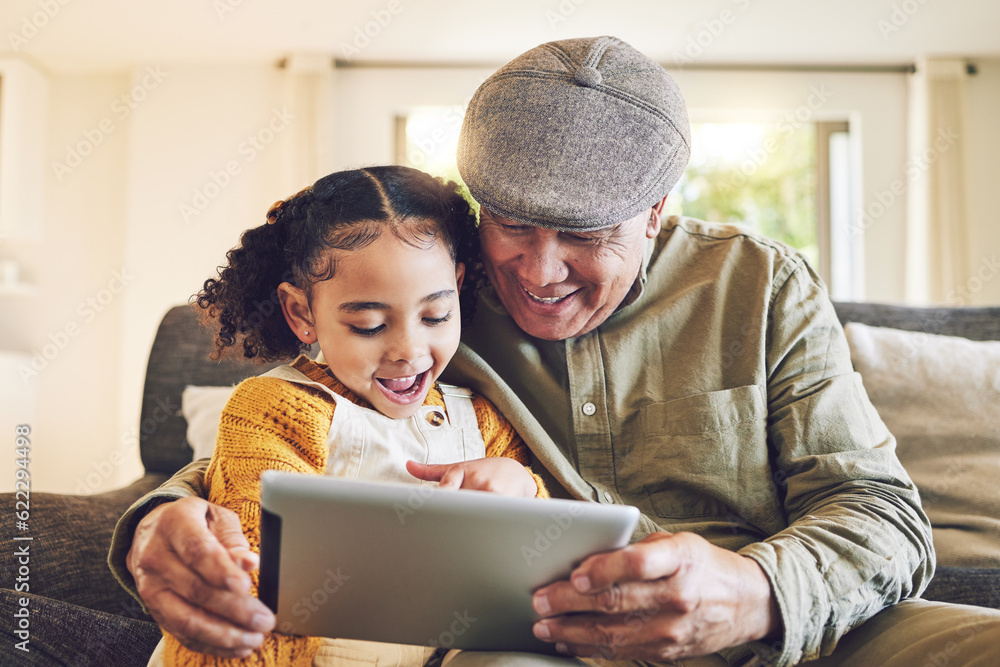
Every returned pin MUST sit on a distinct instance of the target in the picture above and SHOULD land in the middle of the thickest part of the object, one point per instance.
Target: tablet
(415, 564)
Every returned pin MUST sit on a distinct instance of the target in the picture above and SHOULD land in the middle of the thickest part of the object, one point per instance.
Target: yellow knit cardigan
(273, 424)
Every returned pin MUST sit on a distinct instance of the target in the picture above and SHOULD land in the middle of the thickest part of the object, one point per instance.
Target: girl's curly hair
(346, 210)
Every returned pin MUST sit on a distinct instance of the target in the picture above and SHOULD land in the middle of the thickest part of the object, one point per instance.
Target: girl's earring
(306, 333)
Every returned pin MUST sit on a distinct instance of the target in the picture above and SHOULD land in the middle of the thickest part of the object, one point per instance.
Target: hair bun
(274, 212)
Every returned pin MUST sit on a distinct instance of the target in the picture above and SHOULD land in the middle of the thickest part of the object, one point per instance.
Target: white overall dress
(365, 444)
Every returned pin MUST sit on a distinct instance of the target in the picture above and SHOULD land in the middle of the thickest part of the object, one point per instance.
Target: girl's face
(388, 321)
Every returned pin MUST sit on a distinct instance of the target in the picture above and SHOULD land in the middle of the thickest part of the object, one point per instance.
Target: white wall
(198, 120)
(369, 100)
(71, 325)
(24, 106)
(119, 210)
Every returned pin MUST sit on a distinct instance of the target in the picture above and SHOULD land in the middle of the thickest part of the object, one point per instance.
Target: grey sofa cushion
(70, 548)
(64, 634)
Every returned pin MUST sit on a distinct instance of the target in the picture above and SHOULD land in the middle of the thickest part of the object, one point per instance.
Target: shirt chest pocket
(706, 455)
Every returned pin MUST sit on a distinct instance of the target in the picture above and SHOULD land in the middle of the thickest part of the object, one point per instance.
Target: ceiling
(110, 34)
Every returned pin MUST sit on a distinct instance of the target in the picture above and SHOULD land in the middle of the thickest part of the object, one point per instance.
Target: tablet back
(413, 564)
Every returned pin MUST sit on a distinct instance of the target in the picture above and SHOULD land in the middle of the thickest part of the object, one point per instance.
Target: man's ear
(653, 225)
(298, 315)
(459, 275)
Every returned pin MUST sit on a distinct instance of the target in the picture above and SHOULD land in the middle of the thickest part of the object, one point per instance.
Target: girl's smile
(408, 390)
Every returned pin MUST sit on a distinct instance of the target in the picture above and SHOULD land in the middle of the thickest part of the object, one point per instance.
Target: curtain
(937, 224)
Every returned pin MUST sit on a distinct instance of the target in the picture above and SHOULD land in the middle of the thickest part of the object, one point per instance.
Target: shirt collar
(640, 282)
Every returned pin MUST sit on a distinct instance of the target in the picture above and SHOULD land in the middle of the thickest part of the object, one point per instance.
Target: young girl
(372, 264)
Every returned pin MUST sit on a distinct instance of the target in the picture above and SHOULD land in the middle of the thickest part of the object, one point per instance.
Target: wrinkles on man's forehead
(603, 232)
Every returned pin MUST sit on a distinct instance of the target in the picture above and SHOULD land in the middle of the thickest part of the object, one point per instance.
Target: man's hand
(189, 559)
(669, 596)
(498, 474)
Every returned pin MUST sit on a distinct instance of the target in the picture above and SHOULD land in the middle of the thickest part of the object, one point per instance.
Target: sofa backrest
(181, 349)
(179, 357)
(971, 323)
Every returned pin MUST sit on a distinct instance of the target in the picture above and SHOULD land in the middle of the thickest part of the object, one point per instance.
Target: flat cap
(575, 135)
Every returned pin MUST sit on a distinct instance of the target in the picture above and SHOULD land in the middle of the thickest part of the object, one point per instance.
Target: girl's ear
(459, 274)
(298, 315)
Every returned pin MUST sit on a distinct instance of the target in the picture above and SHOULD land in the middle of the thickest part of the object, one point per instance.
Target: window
(789, 182)
(427, 139)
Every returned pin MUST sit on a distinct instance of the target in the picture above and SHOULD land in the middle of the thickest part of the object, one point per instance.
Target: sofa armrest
(68, 555)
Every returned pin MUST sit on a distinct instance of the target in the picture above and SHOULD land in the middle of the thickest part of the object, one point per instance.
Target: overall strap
(458, 403)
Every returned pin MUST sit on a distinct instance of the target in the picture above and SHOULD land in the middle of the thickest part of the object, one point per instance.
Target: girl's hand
(497, 474)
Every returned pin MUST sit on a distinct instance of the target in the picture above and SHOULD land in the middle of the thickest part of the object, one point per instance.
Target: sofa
(72, 533)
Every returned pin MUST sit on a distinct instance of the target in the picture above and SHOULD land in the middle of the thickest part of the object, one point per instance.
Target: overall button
(435, 418)
(589, 409)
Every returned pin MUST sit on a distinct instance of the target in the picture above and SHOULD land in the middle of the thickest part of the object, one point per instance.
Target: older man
(695, 371)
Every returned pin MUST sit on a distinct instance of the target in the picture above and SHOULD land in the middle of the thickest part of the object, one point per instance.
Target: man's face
(559, 285)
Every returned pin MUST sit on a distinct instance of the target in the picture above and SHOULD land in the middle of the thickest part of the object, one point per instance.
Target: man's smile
(545, 299)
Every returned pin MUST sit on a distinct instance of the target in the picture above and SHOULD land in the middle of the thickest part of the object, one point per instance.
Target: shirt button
(607, 496)
(589, 409)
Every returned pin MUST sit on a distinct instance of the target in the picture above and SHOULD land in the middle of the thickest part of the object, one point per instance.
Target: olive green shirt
(719, 399)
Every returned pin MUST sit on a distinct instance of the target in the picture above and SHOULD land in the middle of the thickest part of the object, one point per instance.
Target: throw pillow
(940, 397)
(202, 408)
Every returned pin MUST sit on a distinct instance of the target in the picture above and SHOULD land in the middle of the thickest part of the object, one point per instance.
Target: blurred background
(138, 139)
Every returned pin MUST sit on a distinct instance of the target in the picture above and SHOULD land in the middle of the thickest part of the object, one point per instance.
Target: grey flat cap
(575, 135)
